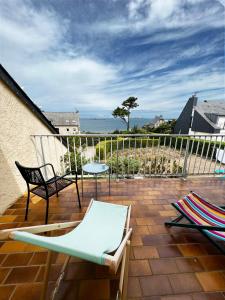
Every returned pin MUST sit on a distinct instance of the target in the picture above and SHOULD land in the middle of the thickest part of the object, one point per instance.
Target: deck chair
(208, 218)
(102, 237)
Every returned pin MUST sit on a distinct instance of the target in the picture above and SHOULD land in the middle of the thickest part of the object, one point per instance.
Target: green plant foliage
(74, 159)
(108, 146)
(196, 146)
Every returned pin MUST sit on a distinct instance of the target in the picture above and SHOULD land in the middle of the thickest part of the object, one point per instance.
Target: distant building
(201, 118)
(158, 120)
(65, 122)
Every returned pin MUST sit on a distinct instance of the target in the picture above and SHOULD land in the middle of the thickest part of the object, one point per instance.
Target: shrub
(69, 159)
(105, 147)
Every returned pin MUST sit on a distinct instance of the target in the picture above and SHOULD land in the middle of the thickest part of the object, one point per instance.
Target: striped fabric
(203, 213)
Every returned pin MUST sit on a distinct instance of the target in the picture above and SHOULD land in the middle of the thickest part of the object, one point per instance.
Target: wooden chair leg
(46, 214)
(46, 276)
(124, 274)
(27, 205)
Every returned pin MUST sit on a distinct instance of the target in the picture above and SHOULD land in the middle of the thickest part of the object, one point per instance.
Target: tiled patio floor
(164, 264)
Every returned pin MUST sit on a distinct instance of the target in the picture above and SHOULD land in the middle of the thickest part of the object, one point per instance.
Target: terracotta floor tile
(211, 281)
(142, 252)
(155, 285)
(3, 274)
(17, 259)
(141, 229)
(22, 274)
(13, 247)
(192, 250)
(208, 296)
(53, 276)
(161, 239)
(150, 200)
(184, 283)
(163, 266)
(134, 289)
(144, 221)
(136, 240)
(94, 289)
(7, 219)
(189, 264)
(2, 257)
(168, 213)
(39, 258)
(6, 291)
(212, 262)
(157, 229)
(29, 291)
(139, 268)
(177, 297)
(168, 251)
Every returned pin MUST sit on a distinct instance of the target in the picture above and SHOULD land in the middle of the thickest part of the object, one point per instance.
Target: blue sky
(92, 55)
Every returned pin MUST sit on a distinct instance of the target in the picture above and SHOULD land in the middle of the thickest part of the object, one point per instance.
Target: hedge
(196, 146)
(123, 143)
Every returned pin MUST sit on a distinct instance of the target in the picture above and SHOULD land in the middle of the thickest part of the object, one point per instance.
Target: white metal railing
(132, 155)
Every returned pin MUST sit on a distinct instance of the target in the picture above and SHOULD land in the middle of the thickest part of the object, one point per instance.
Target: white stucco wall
(221, 122)
(18, 123)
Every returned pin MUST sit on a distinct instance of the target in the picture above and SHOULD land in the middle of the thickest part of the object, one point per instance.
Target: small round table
(95, 169)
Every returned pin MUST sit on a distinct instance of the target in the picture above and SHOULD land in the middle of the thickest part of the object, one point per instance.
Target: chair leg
(124, 274)
(78, 194)
(27, 205)
(46, 275)
(46, 214)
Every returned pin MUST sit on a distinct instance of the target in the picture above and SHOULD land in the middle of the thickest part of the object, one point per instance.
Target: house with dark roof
(20, 120)
(206, 117)
(65, 122)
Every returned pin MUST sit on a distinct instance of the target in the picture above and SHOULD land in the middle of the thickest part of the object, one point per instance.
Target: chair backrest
(31, 175)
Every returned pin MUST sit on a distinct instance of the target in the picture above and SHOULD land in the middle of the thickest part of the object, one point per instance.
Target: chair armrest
(8, 233)
(48, 164)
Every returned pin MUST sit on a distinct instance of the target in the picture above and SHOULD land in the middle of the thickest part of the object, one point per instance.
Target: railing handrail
(129, 135)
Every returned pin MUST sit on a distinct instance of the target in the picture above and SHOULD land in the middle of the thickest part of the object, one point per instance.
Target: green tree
(124, 112)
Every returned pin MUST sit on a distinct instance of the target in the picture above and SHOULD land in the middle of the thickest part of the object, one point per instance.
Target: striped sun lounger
(203, 216)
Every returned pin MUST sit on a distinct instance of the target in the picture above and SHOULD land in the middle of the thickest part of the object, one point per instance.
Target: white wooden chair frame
(112, 261)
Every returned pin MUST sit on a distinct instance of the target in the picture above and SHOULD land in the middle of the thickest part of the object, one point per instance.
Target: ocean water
(109, 124)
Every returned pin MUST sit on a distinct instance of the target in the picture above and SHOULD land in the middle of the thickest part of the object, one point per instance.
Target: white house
(65, 122)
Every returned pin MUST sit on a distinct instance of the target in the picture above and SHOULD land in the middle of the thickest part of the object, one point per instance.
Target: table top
(95, 168)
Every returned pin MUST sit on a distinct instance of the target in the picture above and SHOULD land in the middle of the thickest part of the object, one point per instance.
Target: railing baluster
(68, 152)
(207, 153)
(75, 153)
(203, 146)
(217, 155)
(180, 154)
(105, 151)
(213, 150)
(196, 154)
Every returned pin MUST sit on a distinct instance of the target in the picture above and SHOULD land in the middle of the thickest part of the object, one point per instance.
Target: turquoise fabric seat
(220, 171)
(100, 232)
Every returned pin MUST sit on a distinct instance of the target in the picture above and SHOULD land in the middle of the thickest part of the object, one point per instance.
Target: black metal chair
(45, 188)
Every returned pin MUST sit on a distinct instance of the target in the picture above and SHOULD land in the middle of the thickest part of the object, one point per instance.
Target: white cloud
(58, 76)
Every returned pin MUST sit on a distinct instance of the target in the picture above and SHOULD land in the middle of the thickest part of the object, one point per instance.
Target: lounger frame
(112, 261)
(193, 225)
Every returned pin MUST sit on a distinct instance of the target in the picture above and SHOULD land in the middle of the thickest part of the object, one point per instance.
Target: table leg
(96, 186)
(82, 184)
(109, 181)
